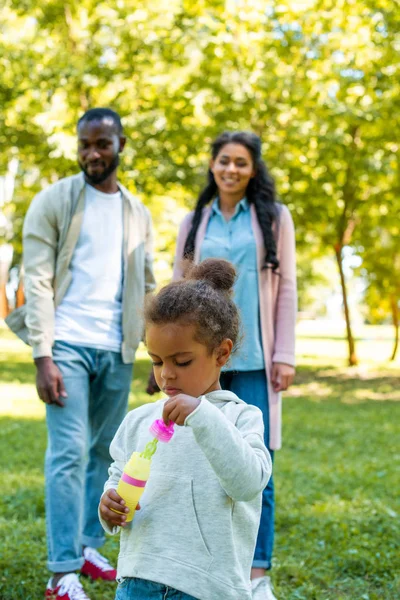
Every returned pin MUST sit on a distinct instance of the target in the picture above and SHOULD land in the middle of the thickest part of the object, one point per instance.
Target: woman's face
(232, 169)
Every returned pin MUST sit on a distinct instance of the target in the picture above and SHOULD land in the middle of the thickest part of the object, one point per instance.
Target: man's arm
(40, 236)
(149, 279)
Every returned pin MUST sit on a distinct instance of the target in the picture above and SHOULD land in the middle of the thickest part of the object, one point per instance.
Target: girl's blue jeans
(251, 386)
(132, 588)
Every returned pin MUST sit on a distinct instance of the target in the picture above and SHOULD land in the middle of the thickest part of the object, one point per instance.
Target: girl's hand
(111, 505)
(282, 376)
(179, 407)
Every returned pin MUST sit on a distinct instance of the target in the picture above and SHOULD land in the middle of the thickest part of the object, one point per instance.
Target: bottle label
(133, 481)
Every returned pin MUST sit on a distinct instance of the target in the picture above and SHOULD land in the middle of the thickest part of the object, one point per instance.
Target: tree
(378, 247)
(318, 81)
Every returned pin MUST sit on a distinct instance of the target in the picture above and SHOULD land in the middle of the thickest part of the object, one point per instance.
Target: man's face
(99, 146)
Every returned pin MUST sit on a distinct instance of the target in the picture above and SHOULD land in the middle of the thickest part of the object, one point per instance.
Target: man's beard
(100, 177)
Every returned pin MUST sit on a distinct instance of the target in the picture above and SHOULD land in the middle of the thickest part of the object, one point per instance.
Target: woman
(238, 218)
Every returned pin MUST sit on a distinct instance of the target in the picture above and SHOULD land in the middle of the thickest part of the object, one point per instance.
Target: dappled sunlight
(348, 385)
(14, 346)
(321, 343)
(369, 394)
(11, 344)
(315, 389)
(21, 400)
(335, 506)
(359, 373)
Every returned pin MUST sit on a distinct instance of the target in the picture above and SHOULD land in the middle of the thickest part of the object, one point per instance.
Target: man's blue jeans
(132, 588)
(77, 457)
(251, 386)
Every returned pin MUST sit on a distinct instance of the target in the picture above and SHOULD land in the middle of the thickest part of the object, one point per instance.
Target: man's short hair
(98, 114)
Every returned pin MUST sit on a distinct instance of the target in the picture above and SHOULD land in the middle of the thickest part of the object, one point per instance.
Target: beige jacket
(278, 300)
(51, 231)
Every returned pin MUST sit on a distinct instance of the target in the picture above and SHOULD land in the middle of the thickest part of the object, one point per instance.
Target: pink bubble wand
(162, 433)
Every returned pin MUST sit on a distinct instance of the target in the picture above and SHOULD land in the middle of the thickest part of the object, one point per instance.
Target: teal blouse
(233, 240)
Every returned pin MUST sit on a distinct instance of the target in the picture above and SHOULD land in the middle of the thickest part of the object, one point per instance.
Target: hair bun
(219, 273)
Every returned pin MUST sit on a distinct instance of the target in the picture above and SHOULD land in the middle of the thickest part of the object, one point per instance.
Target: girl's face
(232, 169)
(181, 364)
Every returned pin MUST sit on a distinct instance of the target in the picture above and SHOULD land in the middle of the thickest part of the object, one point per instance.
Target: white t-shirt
(90, 314)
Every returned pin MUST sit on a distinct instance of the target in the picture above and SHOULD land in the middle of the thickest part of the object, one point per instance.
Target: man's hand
(282, 376)
(49, 382)
(113, 509)
(152, 387)
(178, 407)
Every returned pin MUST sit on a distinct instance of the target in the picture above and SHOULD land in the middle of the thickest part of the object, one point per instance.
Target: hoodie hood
(220, 397)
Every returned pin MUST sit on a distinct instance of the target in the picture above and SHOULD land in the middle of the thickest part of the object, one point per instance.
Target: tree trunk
(350, 340)
(395, 320)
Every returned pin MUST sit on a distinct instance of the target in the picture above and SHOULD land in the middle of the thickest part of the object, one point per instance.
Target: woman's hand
(282, 376)
(113, 509)
(179, 407)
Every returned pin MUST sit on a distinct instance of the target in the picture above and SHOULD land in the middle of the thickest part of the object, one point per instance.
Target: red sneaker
(68, 588)
(97, 566)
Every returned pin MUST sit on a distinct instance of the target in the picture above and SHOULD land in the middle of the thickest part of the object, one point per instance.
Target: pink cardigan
(278, 300)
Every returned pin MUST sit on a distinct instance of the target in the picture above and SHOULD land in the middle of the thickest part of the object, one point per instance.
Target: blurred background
(319, 81)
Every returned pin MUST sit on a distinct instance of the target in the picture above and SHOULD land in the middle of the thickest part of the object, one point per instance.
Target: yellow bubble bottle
(137, 469)
(133, 480)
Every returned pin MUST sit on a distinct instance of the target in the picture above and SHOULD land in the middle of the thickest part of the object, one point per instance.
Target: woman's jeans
(251, 386)
(132, 588)
(77, 458)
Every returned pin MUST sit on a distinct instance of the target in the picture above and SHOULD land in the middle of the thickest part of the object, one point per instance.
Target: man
(88, 264)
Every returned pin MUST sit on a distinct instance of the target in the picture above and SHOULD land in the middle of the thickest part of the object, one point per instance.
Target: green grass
(336, 478)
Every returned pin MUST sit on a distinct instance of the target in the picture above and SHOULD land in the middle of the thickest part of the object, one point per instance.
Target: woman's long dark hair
(260, 192)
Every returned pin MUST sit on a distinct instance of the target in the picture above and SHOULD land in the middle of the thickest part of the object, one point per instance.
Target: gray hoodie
(197, 527)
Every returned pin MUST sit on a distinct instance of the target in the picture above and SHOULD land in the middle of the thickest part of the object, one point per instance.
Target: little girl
(195, 533)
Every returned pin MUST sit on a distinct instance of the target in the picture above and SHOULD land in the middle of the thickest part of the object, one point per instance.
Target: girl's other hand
(179, 407)
(282, 376)
(113, 509)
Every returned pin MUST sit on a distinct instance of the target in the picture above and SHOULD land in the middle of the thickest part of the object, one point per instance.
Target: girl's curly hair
(203, 299)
